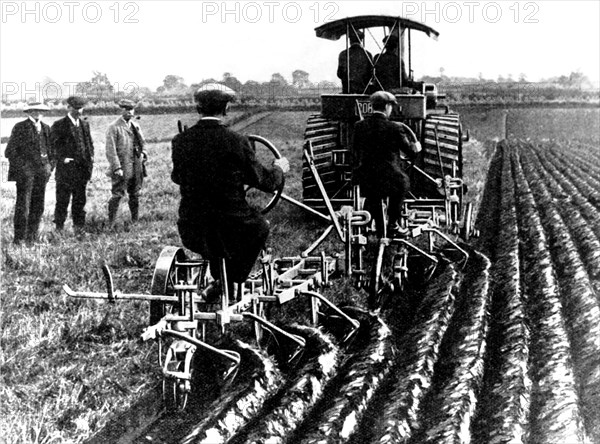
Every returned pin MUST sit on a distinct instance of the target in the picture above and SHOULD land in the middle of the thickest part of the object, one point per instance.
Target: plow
(186, 323)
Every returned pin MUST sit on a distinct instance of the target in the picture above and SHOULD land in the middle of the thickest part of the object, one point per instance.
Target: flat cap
(127, 104)
(382, 98)
(76, 102)
(37, 106)
(214, 92)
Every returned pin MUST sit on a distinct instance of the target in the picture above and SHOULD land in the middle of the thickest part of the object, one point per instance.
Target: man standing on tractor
(355, 65)
(212, 164)
(379, 146)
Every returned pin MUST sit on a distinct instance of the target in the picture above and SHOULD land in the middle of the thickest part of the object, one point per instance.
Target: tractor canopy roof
(335, 29)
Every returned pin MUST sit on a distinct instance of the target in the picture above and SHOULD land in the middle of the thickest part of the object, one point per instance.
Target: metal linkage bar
(118, 295)
(163, 330)
(300, 277)
(313, 169)
(305, 207)
(317, 242)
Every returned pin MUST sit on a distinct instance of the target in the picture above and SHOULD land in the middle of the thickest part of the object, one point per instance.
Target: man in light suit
(72, 141)
(31, 161)
(126, 157)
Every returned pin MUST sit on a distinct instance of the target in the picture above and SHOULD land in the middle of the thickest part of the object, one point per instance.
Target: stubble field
(449, 372)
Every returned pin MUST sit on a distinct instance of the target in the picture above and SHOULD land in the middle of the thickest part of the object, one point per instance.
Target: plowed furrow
(299, 395)
(450, 410)
(581, 310)
(573, 203)
(502, 416)
(237, 408)
(360, 377)
(418, 353)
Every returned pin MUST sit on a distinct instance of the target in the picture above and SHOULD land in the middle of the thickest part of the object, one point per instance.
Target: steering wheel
(260, 199)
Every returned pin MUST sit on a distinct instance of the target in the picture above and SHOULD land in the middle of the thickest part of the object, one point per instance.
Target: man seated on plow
(212, 164)
(378, 147)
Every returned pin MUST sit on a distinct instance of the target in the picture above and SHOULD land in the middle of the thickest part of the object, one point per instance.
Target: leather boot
(134, 208)
(113, 208)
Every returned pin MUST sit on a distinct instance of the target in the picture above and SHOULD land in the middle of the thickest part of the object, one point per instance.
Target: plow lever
(110, 288)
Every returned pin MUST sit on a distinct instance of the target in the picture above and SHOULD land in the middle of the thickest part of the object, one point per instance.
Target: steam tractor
(436, 176)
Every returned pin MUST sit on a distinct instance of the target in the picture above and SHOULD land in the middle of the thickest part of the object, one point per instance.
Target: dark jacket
(211, 164)
(388, 70)
(361, 69)
(378, 146)
(23, 151)
(64, 139)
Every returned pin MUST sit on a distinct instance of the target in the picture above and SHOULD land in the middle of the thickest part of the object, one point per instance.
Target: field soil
(501, 347)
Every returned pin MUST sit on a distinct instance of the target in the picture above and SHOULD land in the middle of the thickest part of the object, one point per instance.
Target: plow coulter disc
(176, 391)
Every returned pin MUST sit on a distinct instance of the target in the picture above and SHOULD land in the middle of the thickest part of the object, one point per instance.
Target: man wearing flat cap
(379, 147)
(72, 140)
(355, 65)
(31, 160)
(212, 164)
(126, 157)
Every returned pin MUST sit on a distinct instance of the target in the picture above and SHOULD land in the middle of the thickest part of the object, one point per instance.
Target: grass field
(66, 365)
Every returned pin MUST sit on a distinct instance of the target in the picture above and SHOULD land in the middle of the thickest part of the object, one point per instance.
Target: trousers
(29, 206)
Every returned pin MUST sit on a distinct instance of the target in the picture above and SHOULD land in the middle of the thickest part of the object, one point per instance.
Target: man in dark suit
(356, 78)
(211, 164)
(72, 141)
(379, 146)
(31, 157)
(389, 64)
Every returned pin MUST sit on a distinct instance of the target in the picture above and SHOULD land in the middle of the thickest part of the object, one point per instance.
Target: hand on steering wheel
(279, 161)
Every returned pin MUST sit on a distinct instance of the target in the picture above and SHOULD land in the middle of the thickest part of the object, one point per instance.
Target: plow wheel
(177, 375)
(176, 393)
(442, 148)
(171, 267)
(324, 136)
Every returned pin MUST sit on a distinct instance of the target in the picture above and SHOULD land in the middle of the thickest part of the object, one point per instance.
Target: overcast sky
(141, 42)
